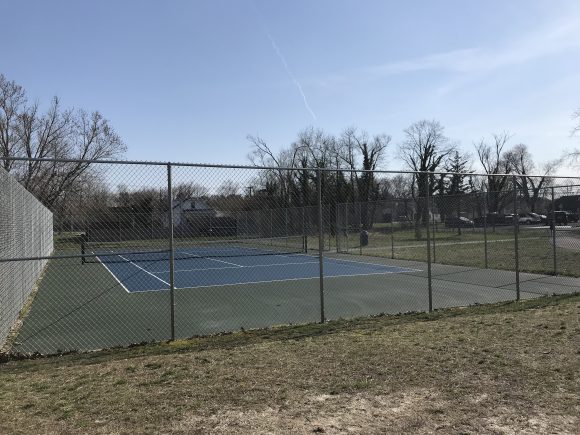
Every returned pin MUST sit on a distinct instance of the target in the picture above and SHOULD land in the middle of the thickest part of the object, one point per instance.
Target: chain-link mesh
(146, 252)
(26, 232)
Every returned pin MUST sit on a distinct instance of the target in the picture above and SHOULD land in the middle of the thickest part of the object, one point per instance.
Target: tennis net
(150, 251)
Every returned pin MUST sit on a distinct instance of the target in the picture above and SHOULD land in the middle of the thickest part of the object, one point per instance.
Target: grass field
(468, 249)
(496, 369)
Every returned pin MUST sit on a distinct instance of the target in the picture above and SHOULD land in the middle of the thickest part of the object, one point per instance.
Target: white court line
(144, 270)
(278, 280)
(212, 259)
(238, 267)
(361, 262)
(114, 276)
(407, 270)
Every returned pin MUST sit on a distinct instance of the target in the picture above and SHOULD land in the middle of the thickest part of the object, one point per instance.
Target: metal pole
(429, 277)
(516, 231)
(171, 251)
(337, 230)
(329, 229)
(304, 231)
(320, 244)
(271, 227)
(393, 230)
(552, 223)
(346, 225)
(360, 227)
(485, 230)
(286, 225)
(434, 232)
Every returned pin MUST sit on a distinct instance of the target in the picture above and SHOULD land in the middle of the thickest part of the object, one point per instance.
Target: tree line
(348, 160)
(348, 157)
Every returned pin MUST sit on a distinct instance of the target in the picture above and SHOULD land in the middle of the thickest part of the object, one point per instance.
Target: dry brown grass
(510, 368)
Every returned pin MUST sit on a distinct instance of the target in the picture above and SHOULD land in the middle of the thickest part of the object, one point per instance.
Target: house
(188, 210)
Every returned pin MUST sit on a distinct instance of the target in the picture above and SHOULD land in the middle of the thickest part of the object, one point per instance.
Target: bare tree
(424, 149)
(189, 190)
(59, 134)
(495, 163)
(277, 181)
(522, 163)
(12, 104)
(228, 188)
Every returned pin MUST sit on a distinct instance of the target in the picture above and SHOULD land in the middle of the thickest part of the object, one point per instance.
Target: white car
(527, 219)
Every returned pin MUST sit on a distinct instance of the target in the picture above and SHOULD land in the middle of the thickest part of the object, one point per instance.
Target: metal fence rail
(161, 251)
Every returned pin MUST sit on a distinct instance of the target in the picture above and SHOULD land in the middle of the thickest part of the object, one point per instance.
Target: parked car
(495, 219)
(529, 219)
(539, 218)
(458, 222)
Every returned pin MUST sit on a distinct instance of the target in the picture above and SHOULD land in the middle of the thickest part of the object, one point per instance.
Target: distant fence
(26, 231)
(158, 251)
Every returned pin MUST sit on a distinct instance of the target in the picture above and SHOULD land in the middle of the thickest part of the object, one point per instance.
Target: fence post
(516, 234)
(429, 277)
(346, 226)
(271, 227)
(360, 228)
(171, 251)
(434, 232)
(485, 229)
(329, 228)
(553, 227)
(393, 229)
(337, 229)
(320, 243)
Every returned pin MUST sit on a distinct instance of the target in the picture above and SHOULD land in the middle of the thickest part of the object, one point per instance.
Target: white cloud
(558, 37)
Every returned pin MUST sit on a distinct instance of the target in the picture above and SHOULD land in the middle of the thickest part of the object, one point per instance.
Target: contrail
(296, 82)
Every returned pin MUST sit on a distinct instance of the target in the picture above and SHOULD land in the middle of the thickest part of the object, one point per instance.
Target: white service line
(238, 267)
(212, 259)
(114, 276)
(361, 262)
(144, 270)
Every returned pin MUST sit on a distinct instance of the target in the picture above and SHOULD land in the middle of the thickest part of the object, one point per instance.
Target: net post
(552, 223)
(171, 251)
(516, 235)
(429, 275)
(320, 243)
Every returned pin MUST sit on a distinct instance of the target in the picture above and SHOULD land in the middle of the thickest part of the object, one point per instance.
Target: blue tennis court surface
(201, 269)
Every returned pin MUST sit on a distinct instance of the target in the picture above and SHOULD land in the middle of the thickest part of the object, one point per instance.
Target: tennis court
(225, 264)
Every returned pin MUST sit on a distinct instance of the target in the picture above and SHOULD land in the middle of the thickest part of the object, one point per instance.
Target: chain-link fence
(26, 232)
(146, 252)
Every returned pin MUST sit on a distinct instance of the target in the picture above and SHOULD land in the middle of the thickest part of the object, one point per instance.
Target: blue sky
(189, 80)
